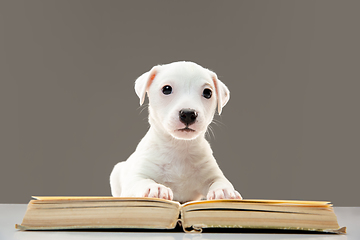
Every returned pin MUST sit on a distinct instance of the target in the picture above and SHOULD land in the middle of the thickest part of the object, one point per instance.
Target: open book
(53, 213)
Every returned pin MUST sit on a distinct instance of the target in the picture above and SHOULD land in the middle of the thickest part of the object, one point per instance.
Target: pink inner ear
(216, 87)
(217, 94)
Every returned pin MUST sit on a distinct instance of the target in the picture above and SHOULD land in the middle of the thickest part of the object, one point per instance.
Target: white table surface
(11, 214)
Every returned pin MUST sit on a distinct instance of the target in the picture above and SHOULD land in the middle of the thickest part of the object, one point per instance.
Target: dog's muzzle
(187, 116)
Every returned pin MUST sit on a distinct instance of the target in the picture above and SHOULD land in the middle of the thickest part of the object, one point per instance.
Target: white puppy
(174, 161)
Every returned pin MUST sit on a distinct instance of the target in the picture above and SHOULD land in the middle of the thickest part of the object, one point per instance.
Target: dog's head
(182, 98)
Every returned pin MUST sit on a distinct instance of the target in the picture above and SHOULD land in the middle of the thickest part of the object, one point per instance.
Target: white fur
(169, 163)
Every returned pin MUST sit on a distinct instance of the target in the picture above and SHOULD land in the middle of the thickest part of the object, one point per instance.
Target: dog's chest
(177, 171)
(182, 175)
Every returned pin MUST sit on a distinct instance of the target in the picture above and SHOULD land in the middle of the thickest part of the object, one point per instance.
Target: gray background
(69, 112)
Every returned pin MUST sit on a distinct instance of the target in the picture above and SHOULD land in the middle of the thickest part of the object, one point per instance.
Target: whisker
(143, 107)
(213, 132)
(207, 134)
(210, 132)
(217, 122)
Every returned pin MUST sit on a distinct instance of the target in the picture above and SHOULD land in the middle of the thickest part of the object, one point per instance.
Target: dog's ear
(222, 92)
(143, 83)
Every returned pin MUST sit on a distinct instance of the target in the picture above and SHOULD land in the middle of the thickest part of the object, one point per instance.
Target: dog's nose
(188, 116)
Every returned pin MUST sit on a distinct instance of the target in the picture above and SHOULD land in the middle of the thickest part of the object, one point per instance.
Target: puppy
(174, 161)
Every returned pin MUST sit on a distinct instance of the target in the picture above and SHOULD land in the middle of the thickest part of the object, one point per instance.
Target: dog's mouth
(186, 129)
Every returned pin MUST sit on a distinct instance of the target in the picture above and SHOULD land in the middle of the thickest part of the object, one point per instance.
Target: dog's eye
(167, 90)
(207, 93)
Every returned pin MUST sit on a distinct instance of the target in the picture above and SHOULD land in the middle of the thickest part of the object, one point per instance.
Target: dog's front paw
(223, 193)
(158, 191)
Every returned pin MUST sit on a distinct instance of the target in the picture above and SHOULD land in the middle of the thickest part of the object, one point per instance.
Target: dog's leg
(222, 189)
(139, 187)
(149, 188)
(115, 179)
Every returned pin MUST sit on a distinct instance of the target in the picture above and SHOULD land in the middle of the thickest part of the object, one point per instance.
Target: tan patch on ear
(151, 79)
(153, 75)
